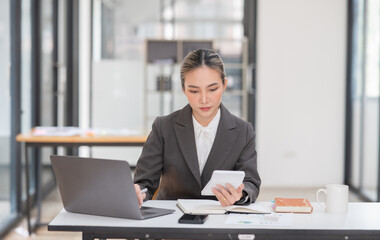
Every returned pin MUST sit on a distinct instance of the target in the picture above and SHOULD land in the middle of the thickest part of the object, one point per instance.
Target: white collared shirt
(204, 138)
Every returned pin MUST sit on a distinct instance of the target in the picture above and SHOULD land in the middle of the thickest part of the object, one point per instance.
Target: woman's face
(204, 88)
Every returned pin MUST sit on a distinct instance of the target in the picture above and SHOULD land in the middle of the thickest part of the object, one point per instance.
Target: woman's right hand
(140, 196)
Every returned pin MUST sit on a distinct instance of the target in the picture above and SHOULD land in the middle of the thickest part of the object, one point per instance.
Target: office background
(307, 70)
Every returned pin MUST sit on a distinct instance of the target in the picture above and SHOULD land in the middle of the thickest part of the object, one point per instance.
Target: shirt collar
(212, 125)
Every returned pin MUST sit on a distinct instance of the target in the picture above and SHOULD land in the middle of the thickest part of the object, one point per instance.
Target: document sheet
(273, 219)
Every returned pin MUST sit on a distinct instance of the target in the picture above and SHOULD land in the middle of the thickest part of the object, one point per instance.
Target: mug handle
(317, 194)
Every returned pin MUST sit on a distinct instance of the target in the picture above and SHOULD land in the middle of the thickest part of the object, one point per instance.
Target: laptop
(99, 187)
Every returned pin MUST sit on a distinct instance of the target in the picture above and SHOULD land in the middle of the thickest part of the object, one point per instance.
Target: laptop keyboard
(146, 211)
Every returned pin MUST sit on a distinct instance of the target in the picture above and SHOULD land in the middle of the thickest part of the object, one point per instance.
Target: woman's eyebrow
(193, 86)
(212, 84)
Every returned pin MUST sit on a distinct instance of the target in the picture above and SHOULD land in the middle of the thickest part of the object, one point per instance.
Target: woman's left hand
(228, 195)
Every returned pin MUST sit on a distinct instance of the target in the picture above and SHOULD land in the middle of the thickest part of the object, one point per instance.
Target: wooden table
(31, 141)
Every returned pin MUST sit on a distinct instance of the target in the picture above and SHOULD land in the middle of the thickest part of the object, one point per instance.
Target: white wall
(301, 56)
(117, 101)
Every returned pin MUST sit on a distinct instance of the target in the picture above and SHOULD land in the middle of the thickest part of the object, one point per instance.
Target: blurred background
(305, 73)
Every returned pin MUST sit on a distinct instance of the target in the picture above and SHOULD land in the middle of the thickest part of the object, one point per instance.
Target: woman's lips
(205, 108)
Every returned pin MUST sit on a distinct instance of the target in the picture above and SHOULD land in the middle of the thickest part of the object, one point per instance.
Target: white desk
(361, 222)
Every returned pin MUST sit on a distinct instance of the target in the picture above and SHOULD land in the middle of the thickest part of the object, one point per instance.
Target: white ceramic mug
(336, 198)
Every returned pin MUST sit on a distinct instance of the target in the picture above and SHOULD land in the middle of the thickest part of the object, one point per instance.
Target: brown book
(295, 205)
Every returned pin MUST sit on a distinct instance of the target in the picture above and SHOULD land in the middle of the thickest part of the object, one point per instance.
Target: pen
(144, 190)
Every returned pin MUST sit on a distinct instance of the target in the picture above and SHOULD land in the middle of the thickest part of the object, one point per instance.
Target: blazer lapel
(184, 131)
(225, 138)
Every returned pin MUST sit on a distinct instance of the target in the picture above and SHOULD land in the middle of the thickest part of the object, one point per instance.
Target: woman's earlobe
(225, 84)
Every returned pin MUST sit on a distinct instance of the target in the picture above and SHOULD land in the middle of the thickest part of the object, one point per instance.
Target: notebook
(99, 187)
(206, 206)
(296, 205)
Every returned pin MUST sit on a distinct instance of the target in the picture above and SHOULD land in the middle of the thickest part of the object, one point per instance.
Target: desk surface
(361, 219)
(29, 138)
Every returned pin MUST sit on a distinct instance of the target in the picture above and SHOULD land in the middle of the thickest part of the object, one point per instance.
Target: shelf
(235, 64)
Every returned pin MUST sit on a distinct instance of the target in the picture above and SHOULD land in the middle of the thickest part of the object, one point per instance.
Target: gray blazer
(170, 154)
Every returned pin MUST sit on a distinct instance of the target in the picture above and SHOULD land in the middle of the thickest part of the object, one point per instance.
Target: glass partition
(48, 109)
(371, 101)
(26, 88)
(364, 84)
(7, 202)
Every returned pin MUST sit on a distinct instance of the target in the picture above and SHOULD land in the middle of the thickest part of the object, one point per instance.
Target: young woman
(185, 147)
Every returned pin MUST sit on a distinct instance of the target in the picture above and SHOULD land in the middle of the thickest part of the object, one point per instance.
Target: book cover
(295, 205)
(203, 206)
